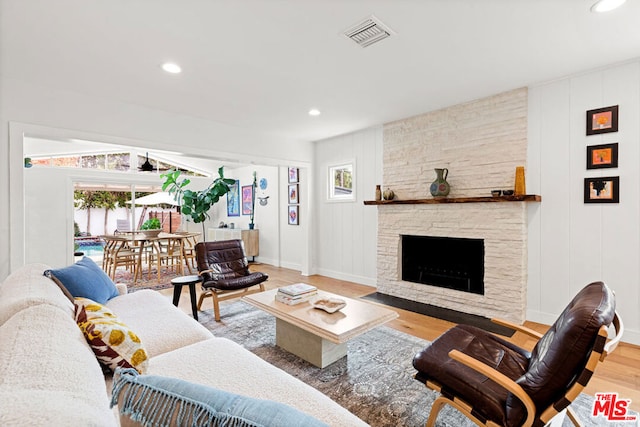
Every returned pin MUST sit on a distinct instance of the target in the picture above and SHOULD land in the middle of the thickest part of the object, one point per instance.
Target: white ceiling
(262, 64)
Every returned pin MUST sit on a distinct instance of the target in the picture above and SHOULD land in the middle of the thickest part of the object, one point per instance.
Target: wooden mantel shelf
(525, 198)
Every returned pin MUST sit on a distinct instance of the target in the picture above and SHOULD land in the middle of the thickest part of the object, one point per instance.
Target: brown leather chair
(494, 382)
(225, 272)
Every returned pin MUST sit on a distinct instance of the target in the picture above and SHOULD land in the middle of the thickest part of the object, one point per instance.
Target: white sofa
(50, 376)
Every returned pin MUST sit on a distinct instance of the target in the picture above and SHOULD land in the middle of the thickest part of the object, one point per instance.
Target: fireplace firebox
(446, 262)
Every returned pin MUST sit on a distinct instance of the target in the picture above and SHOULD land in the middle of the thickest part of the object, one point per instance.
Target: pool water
(92, 249)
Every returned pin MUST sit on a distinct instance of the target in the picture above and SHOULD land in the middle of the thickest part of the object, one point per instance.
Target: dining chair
(189, 250)
(118, 253)
(168, 252)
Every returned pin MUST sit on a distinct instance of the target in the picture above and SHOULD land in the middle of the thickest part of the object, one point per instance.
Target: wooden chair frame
(117, 253)
(222, 295)
(600, 351)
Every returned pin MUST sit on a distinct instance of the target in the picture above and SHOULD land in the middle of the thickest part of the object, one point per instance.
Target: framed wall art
(602, 190)
(233, 199)
(602, 156)
(293, 215)
(602, 120)
(247, 199)
(293, 175)
(293, 194)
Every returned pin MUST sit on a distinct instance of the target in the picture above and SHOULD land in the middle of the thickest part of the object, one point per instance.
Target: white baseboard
(291, 266)
(370, 281)
(264, 260)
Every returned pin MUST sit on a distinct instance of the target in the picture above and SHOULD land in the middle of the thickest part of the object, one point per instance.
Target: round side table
(178, 282)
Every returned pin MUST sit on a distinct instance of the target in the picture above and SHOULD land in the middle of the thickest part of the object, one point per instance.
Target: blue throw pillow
(85, 279)
(183, 403)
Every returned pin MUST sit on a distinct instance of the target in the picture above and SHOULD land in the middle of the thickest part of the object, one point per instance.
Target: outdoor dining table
(140, 242)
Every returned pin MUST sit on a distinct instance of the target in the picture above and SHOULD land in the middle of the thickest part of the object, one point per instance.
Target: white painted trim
(16, 193)
(369, 281)
(293, 266)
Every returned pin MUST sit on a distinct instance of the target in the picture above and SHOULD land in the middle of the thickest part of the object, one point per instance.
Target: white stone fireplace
(481, 143)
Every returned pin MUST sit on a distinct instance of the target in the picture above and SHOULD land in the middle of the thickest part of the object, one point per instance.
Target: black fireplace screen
(446, 262)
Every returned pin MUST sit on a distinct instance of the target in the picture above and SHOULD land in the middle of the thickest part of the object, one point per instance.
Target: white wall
(265, 218)
(573, 243)
(80, 116)
(345, 244)
(295, 256)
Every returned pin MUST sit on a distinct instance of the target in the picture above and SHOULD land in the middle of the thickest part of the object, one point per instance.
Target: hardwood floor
(619, 373)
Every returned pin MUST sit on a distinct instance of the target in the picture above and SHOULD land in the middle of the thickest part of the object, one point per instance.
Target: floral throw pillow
(113, 342)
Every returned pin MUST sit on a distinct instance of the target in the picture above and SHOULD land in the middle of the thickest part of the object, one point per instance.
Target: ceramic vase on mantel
(520, 187)
(440, 187)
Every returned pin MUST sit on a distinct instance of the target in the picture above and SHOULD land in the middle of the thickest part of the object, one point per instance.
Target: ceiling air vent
(368, 32)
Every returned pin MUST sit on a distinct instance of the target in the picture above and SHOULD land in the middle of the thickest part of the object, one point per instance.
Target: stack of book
(296, 293)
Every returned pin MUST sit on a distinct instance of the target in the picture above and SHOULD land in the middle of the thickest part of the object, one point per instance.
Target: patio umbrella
(161, 198)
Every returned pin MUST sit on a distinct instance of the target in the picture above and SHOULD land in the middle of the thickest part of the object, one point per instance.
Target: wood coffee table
(314, 335)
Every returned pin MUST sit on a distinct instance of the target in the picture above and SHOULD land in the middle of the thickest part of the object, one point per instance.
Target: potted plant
(151, 227)
(196, 204)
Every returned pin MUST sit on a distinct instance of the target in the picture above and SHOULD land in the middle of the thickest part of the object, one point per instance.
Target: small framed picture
(602, 190)
(602, 120)
(293, 175)
(247, 199)
(602, 156)
(293, 215)
(293, 194)
(233, 199)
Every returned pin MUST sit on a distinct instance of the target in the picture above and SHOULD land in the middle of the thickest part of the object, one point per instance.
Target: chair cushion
(113, 342)
(85, 279)
(489, 400)
(185, 403)
(237, 282)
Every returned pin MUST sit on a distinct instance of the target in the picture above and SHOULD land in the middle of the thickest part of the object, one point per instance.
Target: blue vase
(440, 187)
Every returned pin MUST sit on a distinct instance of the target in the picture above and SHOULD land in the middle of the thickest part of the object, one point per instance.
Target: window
(341, 182)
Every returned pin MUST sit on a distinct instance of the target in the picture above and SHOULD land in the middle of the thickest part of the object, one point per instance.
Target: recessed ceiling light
(172, 68)
(606, 5)
(314, 112)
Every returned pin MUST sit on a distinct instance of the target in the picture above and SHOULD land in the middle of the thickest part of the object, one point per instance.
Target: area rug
(375, 380)
(146, 281)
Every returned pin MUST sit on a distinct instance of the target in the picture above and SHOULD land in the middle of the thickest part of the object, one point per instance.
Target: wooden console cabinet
(251, 238)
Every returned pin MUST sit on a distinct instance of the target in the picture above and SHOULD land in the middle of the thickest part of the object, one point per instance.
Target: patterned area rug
(147, 281)
(375, 381)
